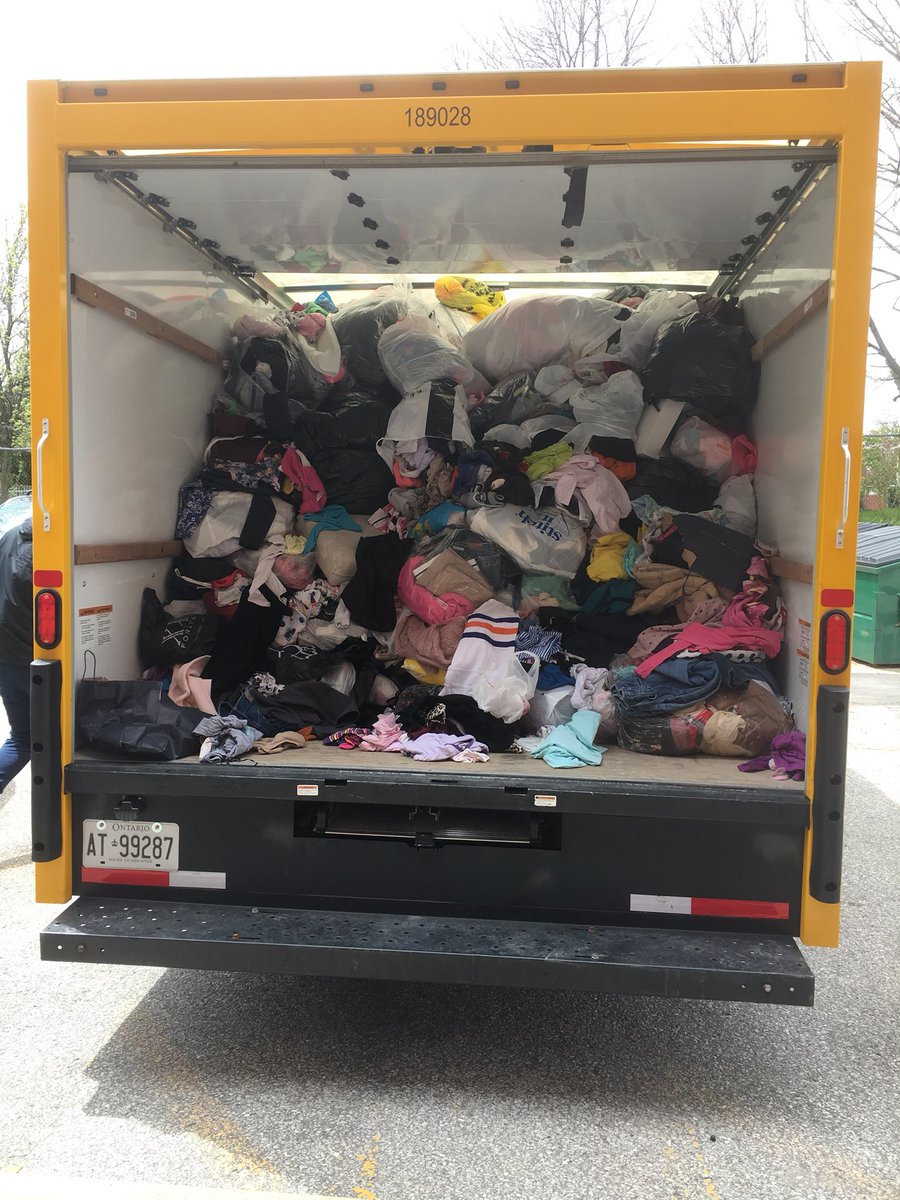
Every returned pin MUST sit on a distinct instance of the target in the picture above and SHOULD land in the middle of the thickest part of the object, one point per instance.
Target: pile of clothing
(407, 538)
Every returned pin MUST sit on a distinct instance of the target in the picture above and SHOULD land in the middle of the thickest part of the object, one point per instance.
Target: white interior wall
(787, 423)
(139, 405)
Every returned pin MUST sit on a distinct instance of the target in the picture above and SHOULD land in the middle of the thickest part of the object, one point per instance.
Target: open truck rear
(151, 206)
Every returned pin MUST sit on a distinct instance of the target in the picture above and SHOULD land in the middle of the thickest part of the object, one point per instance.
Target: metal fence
(15, 471)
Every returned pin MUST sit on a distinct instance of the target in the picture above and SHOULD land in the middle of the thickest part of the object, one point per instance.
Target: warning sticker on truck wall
(95, 626)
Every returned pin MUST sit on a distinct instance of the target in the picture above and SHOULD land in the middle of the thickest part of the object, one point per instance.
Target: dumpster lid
(878, 545)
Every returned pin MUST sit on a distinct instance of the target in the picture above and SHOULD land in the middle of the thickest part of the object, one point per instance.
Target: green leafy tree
(15, 378)
(880, 477)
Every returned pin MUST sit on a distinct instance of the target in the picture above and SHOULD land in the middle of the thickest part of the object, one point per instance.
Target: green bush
(885, 516)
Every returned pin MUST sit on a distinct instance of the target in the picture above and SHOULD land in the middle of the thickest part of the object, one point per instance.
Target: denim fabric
(249, 711)
(674, 684)
(15, 691)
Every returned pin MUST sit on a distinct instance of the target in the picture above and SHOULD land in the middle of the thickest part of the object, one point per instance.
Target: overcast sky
(108, 39)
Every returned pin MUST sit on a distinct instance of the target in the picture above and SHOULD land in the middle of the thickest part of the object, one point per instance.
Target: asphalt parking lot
(113, 1077)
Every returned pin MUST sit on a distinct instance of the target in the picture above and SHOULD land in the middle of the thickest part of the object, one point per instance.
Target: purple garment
(432, 747)
(787, 757)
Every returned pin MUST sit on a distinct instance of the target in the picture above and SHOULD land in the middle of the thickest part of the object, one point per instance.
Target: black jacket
(16, 638)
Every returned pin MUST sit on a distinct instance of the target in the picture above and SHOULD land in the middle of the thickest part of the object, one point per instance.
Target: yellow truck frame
(836, 104)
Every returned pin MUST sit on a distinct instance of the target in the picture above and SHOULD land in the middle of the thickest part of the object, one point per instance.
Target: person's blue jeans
(15, 692)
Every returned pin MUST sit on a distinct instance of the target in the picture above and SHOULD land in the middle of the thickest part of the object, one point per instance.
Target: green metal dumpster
(876, 609)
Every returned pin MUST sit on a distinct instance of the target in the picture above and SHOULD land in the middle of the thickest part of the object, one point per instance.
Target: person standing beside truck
(16, 648)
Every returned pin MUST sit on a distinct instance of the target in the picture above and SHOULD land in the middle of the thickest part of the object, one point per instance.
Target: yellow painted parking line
(24, 1186)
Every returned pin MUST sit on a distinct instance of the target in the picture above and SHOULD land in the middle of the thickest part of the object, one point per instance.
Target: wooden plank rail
(816, 301)
(784, 568)
(97, 297)
(108, 552)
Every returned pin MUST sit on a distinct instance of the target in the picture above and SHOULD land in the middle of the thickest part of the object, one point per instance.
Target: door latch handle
(39, 457)
(845, 507)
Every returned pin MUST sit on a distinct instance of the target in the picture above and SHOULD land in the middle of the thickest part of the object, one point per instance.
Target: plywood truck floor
(618, 766)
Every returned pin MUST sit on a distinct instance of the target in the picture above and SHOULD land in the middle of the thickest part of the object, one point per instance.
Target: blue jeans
(674, 684)
(15, 692)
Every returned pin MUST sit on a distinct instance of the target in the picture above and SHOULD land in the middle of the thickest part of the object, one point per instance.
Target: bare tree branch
(813, 45)
(571, 34)
(732, 31)
(890, 362)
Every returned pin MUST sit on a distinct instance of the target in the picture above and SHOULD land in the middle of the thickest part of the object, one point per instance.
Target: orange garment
(621, 470)
(401, 480)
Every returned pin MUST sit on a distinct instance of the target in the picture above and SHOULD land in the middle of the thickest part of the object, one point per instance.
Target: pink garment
(743, 456)
(431, 645)
(249, 326)
(297, 467)
(647, 641)
(602, 491)
(310, 326)
(188, 689)
(433, 610)
(708, 638)
(754, 607)
(386, 734)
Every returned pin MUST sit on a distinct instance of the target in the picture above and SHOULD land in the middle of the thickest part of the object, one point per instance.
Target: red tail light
(47, 619)
(834, 642)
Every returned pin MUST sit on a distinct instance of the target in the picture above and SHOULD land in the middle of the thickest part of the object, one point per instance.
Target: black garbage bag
(360, 324)
(511, 402)
(356, 418)
(359, 479)
(262, 366)
(164, 641)
(673, 484)
(132, 717)
(707, 364)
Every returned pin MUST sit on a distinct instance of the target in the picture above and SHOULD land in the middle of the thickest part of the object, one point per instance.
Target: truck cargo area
(665, 872)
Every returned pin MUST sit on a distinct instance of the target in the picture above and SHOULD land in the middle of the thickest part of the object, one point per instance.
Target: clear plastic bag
(360, 324)
(737, 502)
(613, 409)
(550, 708)
(413, 353)
(531, 332)
(508, 698)
(704, 447)
(638, 333)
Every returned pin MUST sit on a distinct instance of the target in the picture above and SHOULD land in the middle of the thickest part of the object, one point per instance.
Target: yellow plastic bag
(469, 295)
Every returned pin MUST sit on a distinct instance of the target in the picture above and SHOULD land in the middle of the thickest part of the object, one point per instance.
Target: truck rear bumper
(762, 968)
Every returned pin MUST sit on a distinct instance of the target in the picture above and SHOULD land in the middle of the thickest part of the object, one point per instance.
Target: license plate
(131, 845)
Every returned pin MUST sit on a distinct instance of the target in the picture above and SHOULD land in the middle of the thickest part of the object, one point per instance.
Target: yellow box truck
(157, 210)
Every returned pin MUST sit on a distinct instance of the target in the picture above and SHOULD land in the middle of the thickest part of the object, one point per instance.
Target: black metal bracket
(828, 793)
(46, 760)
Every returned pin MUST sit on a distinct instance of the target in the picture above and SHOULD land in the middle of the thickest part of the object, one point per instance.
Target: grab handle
(845, 509)
(39, 456)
